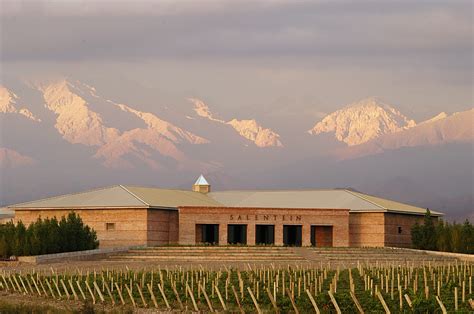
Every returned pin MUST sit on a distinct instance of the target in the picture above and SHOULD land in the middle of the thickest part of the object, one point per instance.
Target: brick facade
(131, 226)
(190, 216)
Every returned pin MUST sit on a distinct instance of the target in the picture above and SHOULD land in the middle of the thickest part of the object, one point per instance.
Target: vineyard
(390, 288)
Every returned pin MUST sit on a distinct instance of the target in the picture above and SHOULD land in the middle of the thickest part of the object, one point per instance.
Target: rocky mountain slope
(442, 129)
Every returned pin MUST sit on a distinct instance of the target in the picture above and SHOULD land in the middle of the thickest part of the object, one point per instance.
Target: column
(306, 235)
(279, 234)
(222, 234)
(250, 234)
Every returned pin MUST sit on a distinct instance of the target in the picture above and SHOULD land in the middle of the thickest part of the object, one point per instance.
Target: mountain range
(62, 135)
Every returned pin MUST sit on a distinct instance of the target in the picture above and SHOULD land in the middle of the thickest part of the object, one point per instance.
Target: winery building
(131, 215)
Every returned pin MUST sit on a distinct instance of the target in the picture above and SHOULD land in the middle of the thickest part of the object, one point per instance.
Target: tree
(47, 236)
(428, 233)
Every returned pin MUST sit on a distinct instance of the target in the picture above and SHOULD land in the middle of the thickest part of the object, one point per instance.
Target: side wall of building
(367, 229)
(129, 225)
(162, 227)
(189, 217)
(398, 229)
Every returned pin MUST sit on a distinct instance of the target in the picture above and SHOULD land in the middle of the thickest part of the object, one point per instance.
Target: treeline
(443, 236)
(46, 236)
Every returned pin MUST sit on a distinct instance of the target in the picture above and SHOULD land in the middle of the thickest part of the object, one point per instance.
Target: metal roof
(124, 197)
(132, 197)
(171, 198)
(334, 199)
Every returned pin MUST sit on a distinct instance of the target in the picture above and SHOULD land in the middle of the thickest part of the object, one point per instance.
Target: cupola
(201, 185)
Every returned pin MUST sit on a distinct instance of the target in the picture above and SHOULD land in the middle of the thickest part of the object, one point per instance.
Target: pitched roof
(201, 181)
(336, 198)
(120, 196)
(124, 197)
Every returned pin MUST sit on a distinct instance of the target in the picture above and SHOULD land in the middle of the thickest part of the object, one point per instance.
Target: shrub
(46, 236)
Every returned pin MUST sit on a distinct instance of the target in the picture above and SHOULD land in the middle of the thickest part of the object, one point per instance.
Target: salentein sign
(265, 217)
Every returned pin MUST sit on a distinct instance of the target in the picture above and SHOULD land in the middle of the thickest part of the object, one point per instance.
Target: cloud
(342, 31)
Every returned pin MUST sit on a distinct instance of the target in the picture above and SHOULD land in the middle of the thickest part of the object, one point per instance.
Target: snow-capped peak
(170, 131)
(203, 110)
(362, 121)
(8, 101)
(248, 129)
(439, 116)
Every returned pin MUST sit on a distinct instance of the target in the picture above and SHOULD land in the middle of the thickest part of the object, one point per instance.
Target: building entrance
(207, 233)
(237, 234)
(265, 234)
(292, 235)
(321, 236)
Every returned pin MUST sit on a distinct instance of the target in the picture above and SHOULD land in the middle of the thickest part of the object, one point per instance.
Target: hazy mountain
(13, 159)
(442, 129)
(362, 121)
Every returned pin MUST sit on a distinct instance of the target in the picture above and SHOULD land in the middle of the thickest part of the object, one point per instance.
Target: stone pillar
(250, 234)
(279, 234)
(306, 235)
(222, 234)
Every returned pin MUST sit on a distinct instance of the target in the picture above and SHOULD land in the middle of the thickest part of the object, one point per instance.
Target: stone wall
(190, 216)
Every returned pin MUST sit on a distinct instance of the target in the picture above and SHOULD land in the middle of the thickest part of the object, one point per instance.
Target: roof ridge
(365, 199)
(134, 195)
(63, 195)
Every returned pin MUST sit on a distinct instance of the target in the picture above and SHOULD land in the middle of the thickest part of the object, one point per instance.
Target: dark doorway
(209, 233)
(292, 235)
(264, 234)
(321, 236)
(237, 234)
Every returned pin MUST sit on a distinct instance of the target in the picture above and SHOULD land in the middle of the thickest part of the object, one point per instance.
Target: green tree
(416, 236)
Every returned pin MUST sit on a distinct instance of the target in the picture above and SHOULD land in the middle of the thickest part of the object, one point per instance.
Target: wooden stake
(98, 291)
(272, 300)
(456, 298)
(150, 289)
(379, 295)
(119, 293)
(356, 302)
(130, 295)
(313, 301)
(141, 295)
(160, 287)
(192, 298)
(209, 304)
(220, 298)
(65, 289)
(334, 302)
(255, 301)
(408, 300)
(50, 289)
(90, 292)
(441, 305)
(177, 297)
(80, 290)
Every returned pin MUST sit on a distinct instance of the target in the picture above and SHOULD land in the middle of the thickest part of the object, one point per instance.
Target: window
(109, 226)
(399, 230)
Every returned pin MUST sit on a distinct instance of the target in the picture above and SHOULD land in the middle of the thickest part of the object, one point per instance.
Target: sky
(414, 54)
